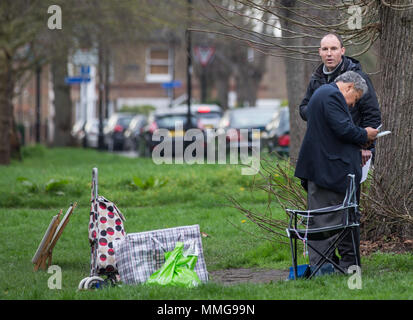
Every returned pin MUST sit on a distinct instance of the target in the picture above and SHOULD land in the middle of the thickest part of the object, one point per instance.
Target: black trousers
(318, 197)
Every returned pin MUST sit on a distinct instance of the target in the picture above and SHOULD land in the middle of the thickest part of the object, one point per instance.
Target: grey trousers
(318, 197)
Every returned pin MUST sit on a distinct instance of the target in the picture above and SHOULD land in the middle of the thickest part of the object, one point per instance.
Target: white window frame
(158, 78)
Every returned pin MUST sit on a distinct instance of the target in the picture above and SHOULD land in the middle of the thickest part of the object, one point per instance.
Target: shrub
(277, 179)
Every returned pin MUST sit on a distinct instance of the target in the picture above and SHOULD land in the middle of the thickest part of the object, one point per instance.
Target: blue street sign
(84, 70)
(84, 76)
(75, 80)
(172, 84)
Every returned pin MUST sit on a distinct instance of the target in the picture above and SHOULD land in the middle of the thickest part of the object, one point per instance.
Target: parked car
(208, 115)
(78, 133)
(133, 132)
(114, 131)
(166, 119)
(277, 134)
(86, 133)
(91, 131)
(238, 124)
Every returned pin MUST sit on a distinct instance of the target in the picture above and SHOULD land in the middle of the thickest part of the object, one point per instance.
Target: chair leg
(354, 247)
(324, 256)
(293, 246)
(295, 259)
(321, 261)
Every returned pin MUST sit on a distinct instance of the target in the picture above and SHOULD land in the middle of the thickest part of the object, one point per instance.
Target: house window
(158, 65)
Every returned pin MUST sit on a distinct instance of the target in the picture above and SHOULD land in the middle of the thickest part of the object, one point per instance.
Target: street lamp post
(101, 89)
(38, 102)
(189, 64)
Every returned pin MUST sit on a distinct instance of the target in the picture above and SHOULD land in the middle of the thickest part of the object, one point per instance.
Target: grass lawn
(193, 194)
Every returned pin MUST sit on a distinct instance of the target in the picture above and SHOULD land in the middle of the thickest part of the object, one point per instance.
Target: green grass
(193, 194)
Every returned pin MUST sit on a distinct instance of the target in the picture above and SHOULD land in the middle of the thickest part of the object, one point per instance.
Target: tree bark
(6, 107)
(393, 183)
(221, 70)
(248, 76)
(296, 81)
(62, 102)
(222, 85)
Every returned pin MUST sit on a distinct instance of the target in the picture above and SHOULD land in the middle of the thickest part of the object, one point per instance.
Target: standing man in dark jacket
(330, 151)
(366, 112)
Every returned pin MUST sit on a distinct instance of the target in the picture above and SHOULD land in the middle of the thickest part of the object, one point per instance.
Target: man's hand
(371, 133)
(365, 156)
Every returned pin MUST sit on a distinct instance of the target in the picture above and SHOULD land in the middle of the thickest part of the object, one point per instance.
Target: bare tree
(393, 183)
(295, 72)
(233, 59)
(20, 25)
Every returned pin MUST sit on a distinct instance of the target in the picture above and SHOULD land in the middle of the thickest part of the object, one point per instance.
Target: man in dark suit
(331, 150)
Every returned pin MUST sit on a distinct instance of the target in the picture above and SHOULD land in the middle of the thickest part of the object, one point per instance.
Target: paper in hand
(384, 133)
(365, 171)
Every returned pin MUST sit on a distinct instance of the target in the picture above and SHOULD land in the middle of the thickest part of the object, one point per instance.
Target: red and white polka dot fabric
(105, 227)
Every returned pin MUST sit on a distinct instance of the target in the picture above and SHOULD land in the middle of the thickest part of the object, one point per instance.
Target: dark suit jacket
(332, 143)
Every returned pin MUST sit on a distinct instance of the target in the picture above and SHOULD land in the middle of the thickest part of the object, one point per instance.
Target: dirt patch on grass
(257, 275)
(243, 275)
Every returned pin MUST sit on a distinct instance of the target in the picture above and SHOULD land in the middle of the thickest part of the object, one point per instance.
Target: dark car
(174, 120)
(114, 131)
(132, 134)
(242, 126)
(277, 134)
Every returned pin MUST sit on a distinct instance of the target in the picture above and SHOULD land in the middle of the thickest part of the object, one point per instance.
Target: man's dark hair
(339, 38)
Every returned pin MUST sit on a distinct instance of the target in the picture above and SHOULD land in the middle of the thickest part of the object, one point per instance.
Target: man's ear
(349, 87)
(343, 51)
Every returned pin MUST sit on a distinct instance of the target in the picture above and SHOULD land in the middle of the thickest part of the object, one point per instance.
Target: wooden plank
(43, 255)
(61, 227)
(47, 238)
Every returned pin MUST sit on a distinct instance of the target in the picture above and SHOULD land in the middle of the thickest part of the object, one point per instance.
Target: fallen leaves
(393, 244)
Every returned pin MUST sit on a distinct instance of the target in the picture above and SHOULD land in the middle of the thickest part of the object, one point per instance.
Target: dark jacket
(365, 113)
(331, 145)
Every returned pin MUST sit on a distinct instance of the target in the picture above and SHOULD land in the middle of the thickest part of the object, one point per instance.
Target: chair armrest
(320, 211)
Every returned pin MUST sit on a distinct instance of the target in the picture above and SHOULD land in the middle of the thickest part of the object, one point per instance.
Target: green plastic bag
(178, 269)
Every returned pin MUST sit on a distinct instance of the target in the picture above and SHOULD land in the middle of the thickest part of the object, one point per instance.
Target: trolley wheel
(82, 283)
(94, 283)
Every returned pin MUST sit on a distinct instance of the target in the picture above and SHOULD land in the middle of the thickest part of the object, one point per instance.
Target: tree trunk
(222, 85)
(295, 90)
(6, 107)
(296, 81)
(248, 78)
(221, 69)
(62, 102)
(393, 183)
